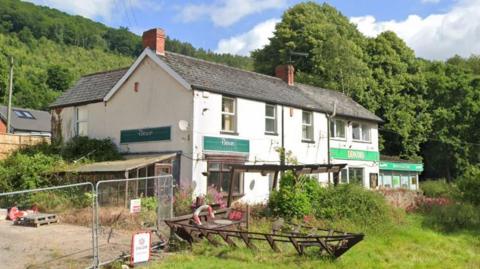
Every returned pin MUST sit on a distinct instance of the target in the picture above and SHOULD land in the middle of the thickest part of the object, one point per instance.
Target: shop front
(400, 174)
(220, 154)
(362, 166)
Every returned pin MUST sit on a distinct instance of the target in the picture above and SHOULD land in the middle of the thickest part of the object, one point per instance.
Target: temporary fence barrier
(112, 209)
(127, 206)
(69, 244)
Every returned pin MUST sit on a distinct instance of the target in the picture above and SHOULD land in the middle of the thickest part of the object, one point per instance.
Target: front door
(373, 180)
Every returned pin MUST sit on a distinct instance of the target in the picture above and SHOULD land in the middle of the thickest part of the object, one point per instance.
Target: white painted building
(213, 116)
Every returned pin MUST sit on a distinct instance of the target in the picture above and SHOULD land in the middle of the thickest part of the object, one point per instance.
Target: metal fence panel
(53, 227)
(116, 220)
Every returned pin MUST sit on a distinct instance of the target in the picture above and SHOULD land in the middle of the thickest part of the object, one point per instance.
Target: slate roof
(40, 123)
(90, 88)
(219, 78)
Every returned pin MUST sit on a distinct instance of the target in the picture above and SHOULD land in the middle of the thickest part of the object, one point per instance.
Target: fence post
(96, 260)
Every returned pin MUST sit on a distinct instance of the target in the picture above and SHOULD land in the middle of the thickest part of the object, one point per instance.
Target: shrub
(353, 203)
(149, 203)
(438, 188)
(290, 202)
(469, 185)
(454, 217)
(182, 200)
(22, 171)
(215, 197)
(97, 150)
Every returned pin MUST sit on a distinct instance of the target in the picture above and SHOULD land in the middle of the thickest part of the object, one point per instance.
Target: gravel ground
(55, 246)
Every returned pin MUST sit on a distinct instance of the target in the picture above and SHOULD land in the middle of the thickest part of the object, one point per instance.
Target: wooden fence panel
(12, 142)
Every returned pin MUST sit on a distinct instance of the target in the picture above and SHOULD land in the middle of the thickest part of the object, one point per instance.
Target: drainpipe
(329, 118)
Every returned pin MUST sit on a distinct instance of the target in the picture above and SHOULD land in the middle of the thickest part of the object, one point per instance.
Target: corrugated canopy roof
(121, 166)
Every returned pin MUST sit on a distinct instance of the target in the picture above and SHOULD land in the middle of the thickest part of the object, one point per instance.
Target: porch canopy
(265, 169)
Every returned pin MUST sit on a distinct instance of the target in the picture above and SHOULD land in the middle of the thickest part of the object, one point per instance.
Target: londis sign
(355, 155)
(224, 144)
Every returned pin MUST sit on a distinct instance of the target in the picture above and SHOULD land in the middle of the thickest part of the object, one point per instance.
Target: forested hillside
(52, 49)
(431, 109)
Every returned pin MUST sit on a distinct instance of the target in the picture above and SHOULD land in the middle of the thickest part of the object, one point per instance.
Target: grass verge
(405, 245)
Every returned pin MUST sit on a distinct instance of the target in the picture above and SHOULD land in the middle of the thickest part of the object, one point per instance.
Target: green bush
(97, 150)
(346, 203)
(352, 202)
(183, 200)
(454, 217)
(149, 203)
(469, 185)
(21, 171)
(438, 189)
(290, 202)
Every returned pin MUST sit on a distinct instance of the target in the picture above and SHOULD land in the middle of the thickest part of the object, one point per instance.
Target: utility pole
(329, 122)
(10, 89)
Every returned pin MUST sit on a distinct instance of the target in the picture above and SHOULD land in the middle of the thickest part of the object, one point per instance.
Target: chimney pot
(155, 40)
(286, 72)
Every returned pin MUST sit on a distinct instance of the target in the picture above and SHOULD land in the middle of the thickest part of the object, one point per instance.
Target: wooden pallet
(37, 219)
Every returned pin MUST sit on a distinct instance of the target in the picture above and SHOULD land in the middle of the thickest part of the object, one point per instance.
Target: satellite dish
(183, 125)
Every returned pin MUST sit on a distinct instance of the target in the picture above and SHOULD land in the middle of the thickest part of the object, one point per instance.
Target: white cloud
(227, 12)
(244, 43)
(105, 9)
(437, 36)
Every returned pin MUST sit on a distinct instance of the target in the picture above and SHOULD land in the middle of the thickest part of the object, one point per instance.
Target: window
(344, 175)
(23, 114)
(219, 176)
(337, 129)
(360, 132)
(307, 125)
(228, 114)
(270, 119)
(355, 175)
(81, 126)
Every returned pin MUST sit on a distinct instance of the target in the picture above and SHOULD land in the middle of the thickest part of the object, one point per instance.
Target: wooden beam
(230, 187)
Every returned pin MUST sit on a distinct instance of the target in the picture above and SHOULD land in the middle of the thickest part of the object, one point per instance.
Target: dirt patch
(56, 245)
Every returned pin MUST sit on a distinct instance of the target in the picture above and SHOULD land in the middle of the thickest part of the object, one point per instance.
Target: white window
(228, 114)
(361, 132)
(81, 124)
(270, 119)
(337, 129)
(352, 175)
(307, 125)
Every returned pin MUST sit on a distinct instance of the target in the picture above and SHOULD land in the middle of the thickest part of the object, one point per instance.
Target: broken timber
(331, 243)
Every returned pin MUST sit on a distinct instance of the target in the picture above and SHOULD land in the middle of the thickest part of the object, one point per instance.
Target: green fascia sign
(224, 144)
(354, 155)
(394, 166)
(145, 135)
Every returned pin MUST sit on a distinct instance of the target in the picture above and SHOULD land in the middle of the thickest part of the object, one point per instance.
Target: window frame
(274, 118)
(309, 125)
(333, 124)
(78, 121)
(233, 115)
(222, 170)
(346, 171)
(362, 127)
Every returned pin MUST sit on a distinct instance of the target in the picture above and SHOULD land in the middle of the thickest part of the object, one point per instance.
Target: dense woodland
(431, 108)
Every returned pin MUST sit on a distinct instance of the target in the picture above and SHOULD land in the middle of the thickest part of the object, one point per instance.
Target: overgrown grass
(406, 245)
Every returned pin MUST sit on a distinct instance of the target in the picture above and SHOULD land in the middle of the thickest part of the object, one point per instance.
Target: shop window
(337, 129)
(404, 181)
(219, 176)
(355, 175)
(344, 175)
(387, 181)
(81, 121)
(307, 125)
(361, 132)
(395, 181)
(270, 119)
(228, 114)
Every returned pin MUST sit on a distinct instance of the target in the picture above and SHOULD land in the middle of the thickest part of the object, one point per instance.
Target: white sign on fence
(140, 247)
(135, 206)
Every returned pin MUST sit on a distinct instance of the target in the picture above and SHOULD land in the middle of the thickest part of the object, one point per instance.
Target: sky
(435, 29)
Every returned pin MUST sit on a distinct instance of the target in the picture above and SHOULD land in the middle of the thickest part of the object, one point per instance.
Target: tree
(58, 78)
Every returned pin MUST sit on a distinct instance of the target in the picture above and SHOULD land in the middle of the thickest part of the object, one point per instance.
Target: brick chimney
(286, 73)
(155, 40)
